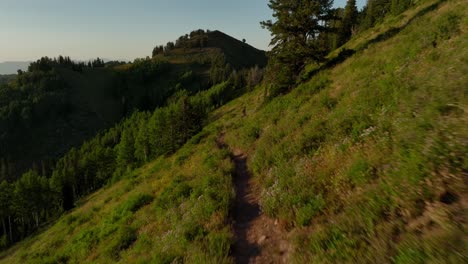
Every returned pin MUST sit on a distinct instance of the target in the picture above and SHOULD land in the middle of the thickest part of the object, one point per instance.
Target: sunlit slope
(365, 162)
(173, 208)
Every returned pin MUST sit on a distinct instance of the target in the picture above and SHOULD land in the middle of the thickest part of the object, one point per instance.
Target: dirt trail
(259, 239)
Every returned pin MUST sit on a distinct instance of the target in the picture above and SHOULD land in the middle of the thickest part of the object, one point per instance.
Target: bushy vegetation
(172, 209)
(363, 161)
(304, 32)
(34, 198)
(58, 103)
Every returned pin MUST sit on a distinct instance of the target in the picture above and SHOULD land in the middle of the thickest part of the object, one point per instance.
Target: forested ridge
(62, 102)
(351, 138)
(40, 101)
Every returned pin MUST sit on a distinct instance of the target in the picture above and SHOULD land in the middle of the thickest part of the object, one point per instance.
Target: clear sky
(121, 29)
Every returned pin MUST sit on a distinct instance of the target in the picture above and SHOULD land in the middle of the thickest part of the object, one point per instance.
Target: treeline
(375, 11)
(46, 64)
(305, 32)
(40, 195)
(38, 102)
(146, 70)
(221, 70)
(39, 99)
(349, 21)
(24, 103)
(34, 97)
(196, 39)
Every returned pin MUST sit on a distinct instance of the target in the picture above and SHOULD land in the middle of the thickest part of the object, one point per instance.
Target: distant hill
(64, 102)
(200, 45)
(11, 67)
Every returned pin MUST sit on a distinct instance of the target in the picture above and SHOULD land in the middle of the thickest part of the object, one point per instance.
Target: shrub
(305, 214)
(124, 237)
(134, 203)
(177, 191)
(359, 172)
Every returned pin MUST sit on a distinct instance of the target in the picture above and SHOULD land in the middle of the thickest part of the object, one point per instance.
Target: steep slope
(365, 162)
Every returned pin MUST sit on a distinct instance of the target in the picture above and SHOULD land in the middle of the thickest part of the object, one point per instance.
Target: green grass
(363, 163)
(350, 159)
(171, 212)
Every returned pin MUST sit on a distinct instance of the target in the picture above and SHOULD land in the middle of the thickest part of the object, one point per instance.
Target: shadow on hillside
(395, 30)
(346, 53)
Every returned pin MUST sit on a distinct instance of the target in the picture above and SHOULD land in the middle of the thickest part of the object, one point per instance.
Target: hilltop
(362, 161)
(196, 45)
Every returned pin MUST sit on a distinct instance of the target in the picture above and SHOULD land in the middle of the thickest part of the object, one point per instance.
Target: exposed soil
(259, 239)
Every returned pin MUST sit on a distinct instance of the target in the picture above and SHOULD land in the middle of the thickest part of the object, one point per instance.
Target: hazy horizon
(121, 30)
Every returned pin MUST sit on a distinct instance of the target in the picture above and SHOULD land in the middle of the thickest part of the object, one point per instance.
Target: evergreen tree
(142, 145)
(376, 10)
(126, 149)
(158, 132)
(6, 200)
(349, 22)
(297, 34)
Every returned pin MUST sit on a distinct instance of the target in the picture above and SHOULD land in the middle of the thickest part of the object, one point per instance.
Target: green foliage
(108, 157)
(348, 23)
(134, 203)
(121, 240)
(143, 70)
(447, 26)
(298, 32)
(399, 6)
(360, 172)
(83, 242)
(307, 212)
(175, 193)
(364, 162)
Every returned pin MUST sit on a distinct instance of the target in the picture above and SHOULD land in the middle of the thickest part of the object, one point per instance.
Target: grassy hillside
(364, 162)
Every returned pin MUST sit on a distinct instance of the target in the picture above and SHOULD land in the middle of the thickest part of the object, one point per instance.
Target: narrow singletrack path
(259, 239)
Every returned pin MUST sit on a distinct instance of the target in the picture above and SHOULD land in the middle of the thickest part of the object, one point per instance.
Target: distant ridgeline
(58, 103)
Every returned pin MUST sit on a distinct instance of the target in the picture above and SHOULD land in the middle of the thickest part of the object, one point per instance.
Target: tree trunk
(74, 193)
(36, 218)
(4, 227)
(9, 224)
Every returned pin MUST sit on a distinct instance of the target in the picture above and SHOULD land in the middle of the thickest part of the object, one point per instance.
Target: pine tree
(349, 21)
(297, 36)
